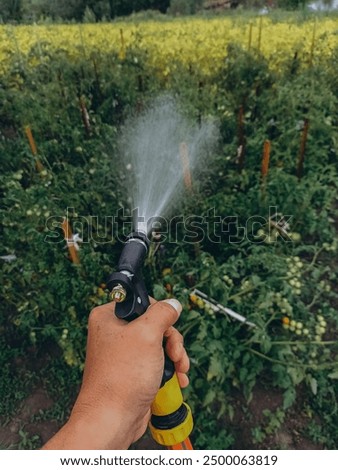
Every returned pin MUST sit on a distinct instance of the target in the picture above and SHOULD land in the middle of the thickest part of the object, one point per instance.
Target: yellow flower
(166, 271)
(193, 298)
(199, 44)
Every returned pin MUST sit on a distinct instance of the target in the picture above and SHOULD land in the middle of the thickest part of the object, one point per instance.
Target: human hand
(123, 372)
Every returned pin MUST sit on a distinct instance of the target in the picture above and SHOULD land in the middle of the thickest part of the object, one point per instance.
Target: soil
(290, 435)
(10, 437)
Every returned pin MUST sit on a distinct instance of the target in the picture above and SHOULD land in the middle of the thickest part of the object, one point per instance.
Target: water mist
(149, 148)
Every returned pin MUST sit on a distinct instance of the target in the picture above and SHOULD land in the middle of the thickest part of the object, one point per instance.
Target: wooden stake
(266, 158)
(260, 33)
(265, 166)
(184, 154)
(122, 53)
(250, 36)
(85, 117)
(70, 243)
(301, 155)
(34, 150)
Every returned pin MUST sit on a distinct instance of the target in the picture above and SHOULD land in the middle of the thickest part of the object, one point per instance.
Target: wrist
(92, 429)
(100, 428)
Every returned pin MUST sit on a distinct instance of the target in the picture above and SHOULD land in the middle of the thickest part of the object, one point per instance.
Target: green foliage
(291, 4)
(45, 299)
(10, 10)
(74, 10)
(273, 424)
(88, 16)
(184, 7)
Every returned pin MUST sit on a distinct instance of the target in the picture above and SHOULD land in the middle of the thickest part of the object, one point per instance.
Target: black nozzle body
(134, 253)
(128, 275)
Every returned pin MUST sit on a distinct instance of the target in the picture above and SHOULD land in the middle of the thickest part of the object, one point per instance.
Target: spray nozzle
(118, 293)
(126, 284)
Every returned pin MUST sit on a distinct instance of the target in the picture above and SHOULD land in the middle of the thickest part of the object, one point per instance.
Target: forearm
(104, 431)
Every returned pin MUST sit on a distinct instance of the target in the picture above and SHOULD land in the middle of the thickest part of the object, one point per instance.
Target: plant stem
(324, 365)
(314, 300)
(270, 359)
(304, 342)
(243, 292)
(314, 259)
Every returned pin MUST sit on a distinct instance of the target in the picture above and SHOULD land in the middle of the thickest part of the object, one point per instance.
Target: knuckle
(180, 337)
(164, 307)
(94, 315)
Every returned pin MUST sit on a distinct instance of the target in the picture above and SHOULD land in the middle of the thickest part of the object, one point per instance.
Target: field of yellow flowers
(199, 42)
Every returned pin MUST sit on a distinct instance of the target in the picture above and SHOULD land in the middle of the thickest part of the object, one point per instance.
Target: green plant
(273, 424)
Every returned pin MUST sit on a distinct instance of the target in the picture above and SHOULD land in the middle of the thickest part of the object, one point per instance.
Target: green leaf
(333, 375)
(296, 374)
(216, 368)
(243, 372)
(314, 385)
(289, 398)
(265, 344)
(209, 397)
(159, 292)
(193, 314)
(231, 412)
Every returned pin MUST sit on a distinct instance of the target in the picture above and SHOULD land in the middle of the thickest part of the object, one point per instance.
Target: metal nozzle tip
(118, 293)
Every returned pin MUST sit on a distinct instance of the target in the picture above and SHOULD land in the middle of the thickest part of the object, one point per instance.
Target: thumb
(162, 314)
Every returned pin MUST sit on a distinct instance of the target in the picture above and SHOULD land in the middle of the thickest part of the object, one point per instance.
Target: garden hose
(171, 421)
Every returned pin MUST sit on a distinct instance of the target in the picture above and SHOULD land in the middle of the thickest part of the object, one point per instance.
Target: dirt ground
(22, 429)
(290, 435)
